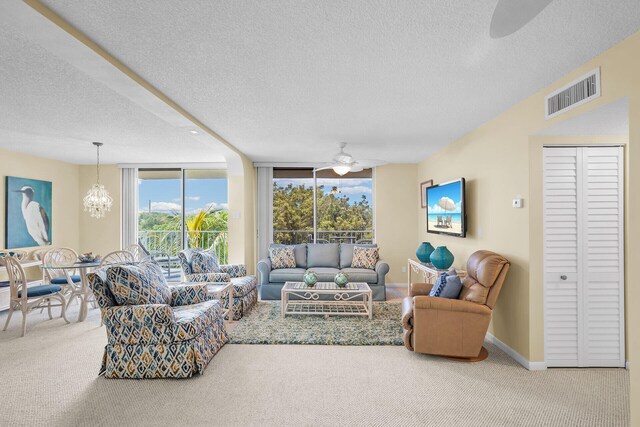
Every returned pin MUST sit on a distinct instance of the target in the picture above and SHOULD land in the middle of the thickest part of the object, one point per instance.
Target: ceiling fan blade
(370, 163)
(356, 167)
(324, 168)
(511, 15)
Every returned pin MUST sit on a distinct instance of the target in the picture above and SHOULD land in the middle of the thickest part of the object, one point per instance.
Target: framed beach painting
(423, 192)
(28, 212)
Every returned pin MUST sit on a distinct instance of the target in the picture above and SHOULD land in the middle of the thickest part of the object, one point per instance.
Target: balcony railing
(292, 237)
(170, 241)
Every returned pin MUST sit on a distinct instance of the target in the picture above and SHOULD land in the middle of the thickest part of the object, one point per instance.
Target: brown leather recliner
(455, 327)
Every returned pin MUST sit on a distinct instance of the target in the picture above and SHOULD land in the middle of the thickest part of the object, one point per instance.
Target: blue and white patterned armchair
(245, 288)
(173, 339)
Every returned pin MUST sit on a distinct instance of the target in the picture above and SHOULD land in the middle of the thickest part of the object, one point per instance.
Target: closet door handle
(563, 277)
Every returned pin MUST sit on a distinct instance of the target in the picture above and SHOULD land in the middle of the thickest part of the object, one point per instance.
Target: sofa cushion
(100, 287)
(299, 251)
(346, 252)
(138, 284)
(192, 320)
(361, 275)
(326, 274)
(282, 257)
(323, 255)
(244, 285)
(204, 262)
(364, 257)
(286, 275)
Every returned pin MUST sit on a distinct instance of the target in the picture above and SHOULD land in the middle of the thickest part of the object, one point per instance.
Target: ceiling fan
(511, 15)
(344, 163)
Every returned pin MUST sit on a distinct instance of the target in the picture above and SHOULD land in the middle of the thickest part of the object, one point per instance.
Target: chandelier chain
(98, 166)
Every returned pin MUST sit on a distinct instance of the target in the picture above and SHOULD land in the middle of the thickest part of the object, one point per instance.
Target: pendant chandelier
(97, 201)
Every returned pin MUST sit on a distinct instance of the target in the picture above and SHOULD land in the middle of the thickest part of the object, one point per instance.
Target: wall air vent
(576, 93)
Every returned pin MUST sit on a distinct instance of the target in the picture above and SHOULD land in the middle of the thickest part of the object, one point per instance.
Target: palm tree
(196, 225)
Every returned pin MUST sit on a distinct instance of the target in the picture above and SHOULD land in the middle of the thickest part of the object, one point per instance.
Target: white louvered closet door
(583, 256)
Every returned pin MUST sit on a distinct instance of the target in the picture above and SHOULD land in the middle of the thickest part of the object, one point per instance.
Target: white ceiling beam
(42, 26)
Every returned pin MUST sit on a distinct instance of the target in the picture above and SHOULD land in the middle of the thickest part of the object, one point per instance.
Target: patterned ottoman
(245, 290)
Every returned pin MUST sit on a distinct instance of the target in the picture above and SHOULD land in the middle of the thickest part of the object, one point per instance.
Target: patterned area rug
(265, 325)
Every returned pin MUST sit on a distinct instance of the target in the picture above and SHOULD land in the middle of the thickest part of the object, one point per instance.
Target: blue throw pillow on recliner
(452, 287)
(437, 288)
(448, 285)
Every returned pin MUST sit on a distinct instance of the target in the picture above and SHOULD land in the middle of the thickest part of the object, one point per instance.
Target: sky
(164, 194)
(353, 188)
(450, 190)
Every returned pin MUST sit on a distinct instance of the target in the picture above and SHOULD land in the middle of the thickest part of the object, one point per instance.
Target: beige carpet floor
(50, 378)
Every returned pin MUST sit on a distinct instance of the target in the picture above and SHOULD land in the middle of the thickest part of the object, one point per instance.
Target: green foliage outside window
(293, 211)
(205, 229)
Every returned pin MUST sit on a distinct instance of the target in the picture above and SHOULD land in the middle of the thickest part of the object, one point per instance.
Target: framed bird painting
(28, 212)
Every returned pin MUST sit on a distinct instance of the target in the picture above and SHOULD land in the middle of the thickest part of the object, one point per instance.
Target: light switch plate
(517, 203)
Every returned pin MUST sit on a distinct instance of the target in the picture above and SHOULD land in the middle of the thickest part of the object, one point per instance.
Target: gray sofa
(326, 259)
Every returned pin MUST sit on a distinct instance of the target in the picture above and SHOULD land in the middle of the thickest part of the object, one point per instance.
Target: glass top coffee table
(327, 299)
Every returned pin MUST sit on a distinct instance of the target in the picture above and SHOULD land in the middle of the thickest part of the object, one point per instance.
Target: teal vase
(424, 252)
(441, 258)
(310, 278)
(341, 280)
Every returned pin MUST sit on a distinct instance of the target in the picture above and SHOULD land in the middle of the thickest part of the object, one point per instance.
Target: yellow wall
(64, 215)
(495, 159)
(242, 217)
(72, 226)
(64, 178)
(100, 236)
(396, 224)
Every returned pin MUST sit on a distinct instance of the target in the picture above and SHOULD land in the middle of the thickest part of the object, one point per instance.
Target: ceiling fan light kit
(342, 170)
(343, 163)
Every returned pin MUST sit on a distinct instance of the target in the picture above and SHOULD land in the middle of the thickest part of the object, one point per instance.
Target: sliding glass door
(327, 208)
(160, 210)
(181, 208)
(206, 211)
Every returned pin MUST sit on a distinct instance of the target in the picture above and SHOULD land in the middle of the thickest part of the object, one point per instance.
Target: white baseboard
(396, 285)
(532, 366)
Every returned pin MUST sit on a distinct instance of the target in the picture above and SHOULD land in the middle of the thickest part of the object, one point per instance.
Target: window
(181, 208)
(340, 210)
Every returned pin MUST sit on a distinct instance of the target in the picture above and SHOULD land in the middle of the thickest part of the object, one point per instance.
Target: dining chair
(117, 257)
(138, 253)
(25, 298)
(38, 254)
(59, 257)
(11, 253)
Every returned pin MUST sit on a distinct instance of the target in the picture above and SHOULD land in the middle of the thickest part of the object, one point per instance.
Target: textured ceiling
(286, 80)
(49, 108)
